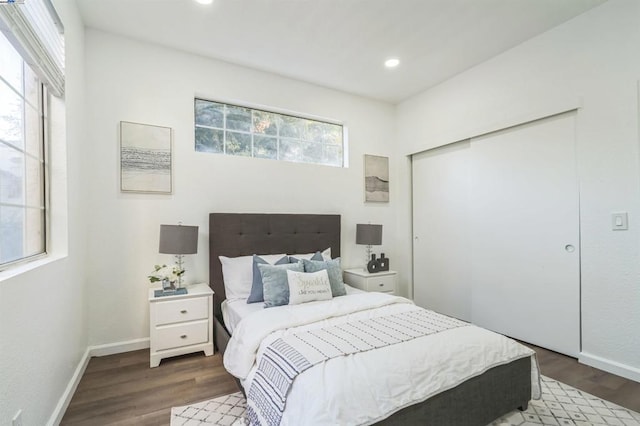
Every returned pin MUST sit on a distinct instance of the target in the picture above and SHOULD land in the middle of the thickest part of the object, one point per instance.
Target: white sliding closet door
(441, 263)
(525, 233)
(496, 232)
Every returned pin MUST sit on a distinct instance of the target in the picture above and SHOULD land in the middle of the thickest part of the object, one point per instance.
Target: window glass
(12, 221)
(209, 140)
(31, 87)
(238, 118)
(290, 150)
(291, 127)
(10, 64)
(265, 147)
(11, 175)
(33, 191)
(265, 123)
(11, 112)
(238, 143)
(238, 130)
(33, 138)
(333, 155)
(209, 114)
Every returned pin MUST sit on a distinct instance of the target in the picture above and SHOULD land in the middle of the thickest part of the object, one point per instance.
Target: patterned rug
(560, 405)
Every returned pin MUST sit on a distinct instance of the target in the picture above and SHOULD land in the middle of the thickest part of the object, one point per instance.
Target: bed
(477, 400)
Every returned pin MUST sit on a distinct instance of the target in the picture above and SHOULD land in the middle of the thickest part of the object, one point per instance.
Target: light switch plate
(619, 221)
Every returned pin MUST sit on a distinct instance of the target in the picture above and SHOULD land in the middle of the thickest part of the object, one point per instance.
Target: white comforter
(369, 386)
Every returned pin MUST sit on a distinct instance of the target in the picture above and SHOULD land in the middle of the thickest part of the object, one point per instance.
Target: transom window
(22, 158)
(237, 130)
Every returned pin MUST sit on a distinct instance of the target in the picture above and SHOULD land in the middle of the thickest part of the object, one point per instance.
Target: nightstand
(384, 281)
(181, 324)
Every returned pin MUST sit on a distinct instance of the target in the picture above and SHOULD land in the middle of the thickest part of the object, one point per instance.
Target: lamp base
(175, 292)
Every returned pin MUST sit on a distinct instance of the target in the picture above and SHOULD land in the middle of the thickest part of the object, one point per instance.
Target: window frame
(269, 110)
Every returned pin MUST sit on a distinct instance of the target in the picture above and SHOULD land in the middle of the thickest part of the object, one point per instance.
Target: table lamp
(178, 240)
(369, 235)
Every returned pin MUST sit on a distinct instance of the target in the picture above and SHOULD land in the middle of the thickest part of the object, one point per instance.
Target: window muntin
(237, 130)
(22, 159)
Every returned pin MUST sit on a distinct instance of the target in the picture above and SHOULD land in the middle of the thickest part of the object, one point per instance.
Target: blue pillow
(256, 294)
(333, 270)
(316, 256)
(276, 284)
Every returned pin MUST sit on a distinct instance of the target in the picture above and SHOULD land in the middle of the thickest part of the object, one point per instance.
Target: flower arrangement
(163, 272)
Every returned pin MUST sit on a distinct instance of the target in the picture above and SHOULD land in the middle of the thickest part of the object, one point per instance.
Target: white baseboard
(91, 351)
(613, 367)
(119, 347)
(65, 399)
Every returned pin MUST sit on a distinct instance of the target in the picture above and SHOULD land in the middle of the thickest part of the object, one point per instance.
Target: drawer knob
(381, 285)
(184, 336)
(184, 311)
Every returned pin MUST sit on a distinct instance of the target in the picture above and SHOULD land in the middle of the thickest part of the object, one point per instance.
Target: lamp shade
(178, 239)
(368, 234)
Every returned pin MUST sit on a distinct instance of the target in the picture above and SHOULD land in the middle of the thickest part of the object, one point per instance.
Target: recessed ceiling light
(204, 1)
(392, 62)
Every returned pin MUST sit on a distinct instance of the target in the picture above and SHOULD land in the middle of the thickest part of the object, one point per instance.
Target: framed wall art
(376, 178)
(145, 158)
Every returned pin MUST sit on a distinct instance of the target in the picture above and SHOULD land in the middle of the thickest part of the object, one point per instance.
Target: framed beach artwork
(145, 158)
(376, 178)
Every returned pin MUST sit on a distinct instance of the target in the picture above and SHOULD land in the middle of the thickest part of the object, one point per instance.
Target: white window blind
(36, 31)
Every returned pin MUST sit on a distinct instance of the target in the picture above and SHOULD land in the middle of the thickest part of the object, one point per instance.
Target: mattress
(233, 311)
(414, 370)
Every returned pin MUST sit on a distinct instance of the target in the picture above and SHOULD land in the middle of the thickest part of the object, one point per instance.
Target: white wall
(590, 61)
(43, 333)
(133, 81)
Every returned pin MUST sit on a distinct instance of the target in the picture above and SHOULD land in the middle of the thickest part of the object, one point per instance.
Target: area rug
(560, 405)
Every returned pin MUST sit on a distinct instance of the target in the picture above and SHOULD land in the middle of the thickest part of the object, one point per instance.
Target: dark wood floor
(607, 386)
(122, 389)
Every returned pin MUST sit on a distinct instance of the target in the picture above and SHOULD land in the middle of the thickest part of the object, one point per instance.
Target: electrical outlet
(17, 419)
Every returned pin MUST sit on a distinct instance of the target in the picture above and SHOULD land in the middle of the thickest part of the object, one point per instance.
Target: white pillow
(326, 255)
(307, 287)
(237, 273)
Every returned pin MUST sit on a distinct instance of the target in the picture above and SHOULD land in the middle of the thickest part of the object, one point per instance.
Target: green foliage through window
(236, 130)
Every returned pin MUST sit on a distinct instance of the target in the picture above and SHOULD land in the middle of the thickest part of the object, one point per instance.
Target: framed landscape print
(145, 158)
(376, 178)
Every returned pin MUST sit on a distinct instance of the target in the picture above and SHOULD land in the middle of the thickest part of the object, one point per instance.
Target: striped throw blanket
(287, 357)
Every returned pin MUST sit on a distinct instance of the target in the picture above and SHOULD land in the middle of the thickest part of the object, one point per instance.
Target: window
(22, 158)
(237, 130)
(31, 58)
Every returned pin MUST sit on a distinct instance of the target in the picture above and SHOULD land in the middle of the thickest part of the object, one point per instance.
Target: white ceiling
(340, 44)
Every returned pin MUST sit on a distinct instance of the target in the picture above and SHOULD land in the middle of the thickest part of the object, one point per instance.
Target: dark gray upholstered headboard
(242, 234)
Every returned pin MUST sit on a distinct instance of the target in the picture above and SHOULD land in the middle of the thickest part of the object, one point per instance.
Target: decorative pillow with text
(307, 287)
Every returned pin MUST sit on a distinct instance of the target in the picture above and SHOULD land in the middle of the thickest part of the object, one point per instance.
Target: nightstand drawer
(173, 311)
(382, 283)
(175, 336)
